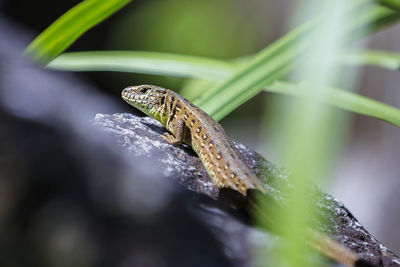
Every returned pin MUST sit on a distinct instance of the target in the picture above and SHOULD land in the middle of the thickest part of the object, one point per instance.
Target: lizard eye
(143, 90)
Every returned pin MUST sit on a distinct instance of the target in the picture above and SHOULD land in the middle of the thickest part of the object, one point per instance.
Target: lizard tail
(334, 250)
(318, 241)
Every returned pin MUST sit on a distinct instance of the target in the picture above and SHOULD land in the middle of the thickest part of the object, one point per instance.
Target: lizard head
(149, 99)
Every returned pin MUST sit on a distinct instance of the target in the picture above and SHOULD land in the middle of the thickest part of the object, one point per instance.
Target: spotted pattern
(221, 158)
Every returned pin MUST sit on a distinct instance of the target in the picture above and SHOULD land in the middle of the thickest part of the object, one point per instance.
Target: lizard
(188, 123)
(223, 162)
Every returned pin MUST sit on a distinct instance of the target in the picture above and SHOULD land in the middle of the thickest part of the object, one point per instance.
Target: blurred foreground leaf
(344, 100)
(394, 4)
(185, 66)
(145, 62)
(218, 70)
(70, 26)
(278, 59)
(384, 59)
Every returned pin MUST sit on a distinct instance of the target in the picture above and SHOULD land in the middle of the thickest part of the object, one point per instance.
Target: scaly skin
(191, 125)
(219, 155)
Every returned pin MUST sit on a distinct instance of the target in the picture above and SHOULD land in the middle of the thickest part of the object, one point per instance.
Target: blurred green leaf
(384, 59)
(70, 26)
(344, 100)
(190, 66)
(394, 4)
(277, 60)
(145, 62)
(218, 70)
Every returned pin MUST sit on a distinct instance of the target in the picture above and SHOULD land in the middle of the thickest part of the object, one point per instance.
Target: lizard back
(222, 160)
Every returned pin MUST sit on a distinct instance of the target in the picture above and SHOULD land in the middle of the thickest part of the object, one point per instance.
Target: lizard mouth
(126, 94)
(133, 98)
(129, 96)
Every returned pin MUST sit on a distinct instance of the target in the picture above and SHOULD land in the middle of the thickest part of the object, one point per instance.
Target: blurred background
(367, 175)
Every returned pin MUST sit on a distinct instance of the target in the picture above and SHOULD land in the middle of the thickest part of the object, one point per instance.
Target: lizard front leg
(177, 127)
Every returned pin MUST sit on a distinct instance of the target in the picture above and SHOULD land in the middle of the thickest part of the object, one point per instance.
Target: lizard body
(189, 124)
(221, 158)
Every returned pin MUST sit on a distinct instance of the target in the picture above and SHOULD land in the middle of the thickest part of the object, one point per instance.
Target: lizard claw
(170, 139)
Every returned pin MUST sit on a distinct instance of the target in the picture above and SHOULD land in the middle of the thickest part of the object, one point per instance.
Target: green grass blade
(394, 4)
(345, 100)
(274, 62)
(218, 70)
(184, 66)
(372, 20)
(70, 26)
(383, 59)
(145, 62)
(270, 64)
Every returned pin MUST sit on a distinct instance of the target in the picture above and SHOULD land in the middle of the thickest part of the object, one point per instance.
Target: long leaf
(218, 70)
(384, 59)
(272, 63)
(145, 62)
(394, 4)
(70, 26)
(184, 66)
(345, 100)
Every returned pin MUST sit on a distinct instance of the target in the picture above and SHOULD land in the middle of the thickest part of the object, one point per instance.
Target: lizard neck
(161, 113)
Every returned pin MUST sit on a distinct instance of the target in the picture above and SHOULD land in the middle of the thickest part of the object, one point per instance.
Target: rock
(141, 136)
(68, 196)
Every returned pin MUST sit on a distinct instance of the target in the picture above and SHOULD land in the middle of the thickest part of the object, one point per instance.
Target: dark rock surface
(141, 135)
(68, 196)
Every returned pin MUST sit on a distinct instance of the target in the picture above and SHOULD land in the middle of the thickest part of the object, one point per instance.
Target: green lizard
(191, 125)
(219, 155)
